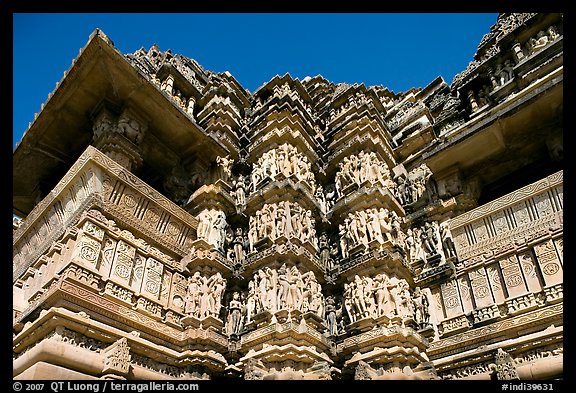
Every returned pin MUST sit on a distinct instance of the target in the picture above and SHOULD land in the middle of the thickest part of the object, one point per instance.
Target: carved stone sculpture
(282, 219)
(204, 295)
(285, 288)
(212, 227)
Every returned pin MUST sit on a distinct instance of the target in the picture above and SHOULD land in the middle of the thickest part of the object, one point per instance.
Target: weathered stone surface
(306, 231)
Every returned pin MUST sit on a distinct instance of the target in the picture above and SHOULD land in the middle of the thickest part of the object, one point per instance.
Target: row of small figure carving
(286, 161)
(125, 124)
(273, 290)
(500, 76)
(288, 289)
(284, 218)
(504, 72)
(359, 169)
(357, 99)
(364, 226)
(280, 91)
(367, 297)
(369, 228)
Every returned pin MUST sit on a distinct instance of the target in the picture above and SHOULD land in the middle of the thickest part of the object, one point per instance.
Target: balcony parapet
(97, 181)
(521, 217)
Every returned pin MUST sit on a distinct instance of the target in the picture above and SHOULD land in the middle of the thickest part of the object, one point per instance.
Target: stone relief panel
(137, 203)
(451, 299)
(461, 238)
(137, 274)
(541, 40)
(102, 256)
(87, 250)
(530, 271)
(559, 243)
(285, 288)
(480, 288)
(370, 229)
(543, 204)
(204, 295)
(178, 290)
(436, 306)
(124, 195)
(117, 358)
(549, 263)
(212, 227)
(378, 296)
(480, 231)
(496, 227)
(466, 296)
(410, 187)
(284, 219)
(512, 274)
(122, 263)
(165, 287)
(46, 222)
(356, 170)
(107, 255)
(496, 283)
(152, 281)
(283, 162)
(500, 222)
(521, 214)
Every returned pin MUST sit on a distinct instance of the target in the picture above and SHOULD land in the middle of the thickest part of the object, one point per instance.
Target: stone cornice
(473, 338)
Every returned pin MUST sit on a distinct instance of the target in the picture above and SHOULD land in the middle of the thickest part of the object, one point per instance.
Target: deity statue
(235, 317)
(224, 167)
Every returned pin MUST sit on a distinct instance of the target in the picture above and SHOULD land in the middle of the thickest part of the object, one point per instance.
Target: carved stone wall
(308, 230)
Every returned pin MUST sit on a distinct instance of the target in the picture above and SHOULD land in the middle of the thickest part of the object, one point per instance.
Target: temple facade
(170, 224)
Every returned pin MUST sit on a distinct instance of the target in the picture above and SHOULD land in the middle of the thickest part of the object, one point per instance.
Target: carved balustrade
(510, 255)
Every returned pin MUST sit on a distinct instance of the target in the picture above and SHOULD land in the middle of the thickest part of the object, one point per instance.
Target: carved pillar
(493, 80)
(190, 106)
(120, 137)
(496, 283)
(480, 287)
(472, 99)
(513, 279)
(451, 298)
(466, 294)
(517, 51)
(123, 263)
(549, 262)
(88, 245)
(168, 85)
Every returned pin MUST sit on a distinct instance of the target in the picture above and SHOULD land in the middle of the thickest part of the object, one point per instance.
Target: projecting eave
(508, 137)
(63, 128)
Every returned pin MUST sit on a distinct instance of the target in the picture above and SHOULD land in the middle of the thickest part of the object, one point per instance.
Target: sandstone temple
(169, 224)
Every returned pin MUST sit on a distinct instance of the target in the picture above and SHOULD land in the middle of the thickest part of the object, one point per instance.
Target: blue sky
(395, 50)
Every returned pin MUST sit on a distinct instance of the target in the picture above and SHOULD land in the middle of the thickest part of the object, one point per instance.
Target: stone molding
(97, 180)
